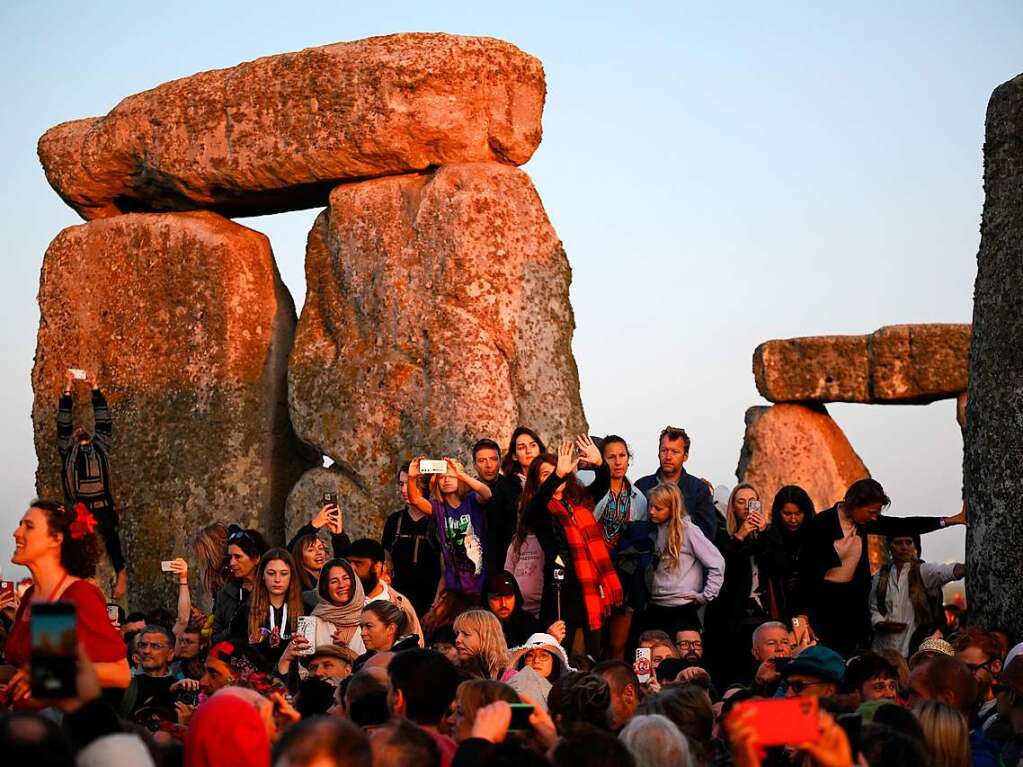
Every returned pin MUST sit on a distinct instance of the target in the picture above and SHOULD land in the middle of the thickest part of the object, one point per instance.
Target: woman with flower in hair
(59, 546)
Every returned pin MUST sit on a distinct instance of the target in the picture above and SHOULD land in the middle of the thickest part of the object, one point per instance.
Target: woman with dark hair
(384, 628)
(309, 553)
(267, 622)
(834, 567)
(559, 511)
(59, 546)
(338, 613)
(779, 557)
(523, 447)
(244, 548)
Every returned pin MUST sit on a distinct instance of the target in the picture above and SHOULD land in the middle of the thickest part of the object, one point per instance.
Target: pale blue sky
(719, 176)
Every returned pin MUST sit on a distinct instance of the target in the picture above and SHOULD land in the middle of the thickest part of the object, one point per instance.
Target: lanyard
(284, 618)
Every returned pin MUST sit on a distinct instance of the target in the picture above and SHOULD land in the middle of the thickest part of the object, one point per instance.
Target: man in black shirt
(415, 560)
(155, 688)
(502, 508)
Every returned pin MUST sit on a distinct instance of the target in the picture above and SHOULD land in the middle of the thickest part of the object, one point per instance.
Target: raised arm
(65, 416)
(100, 412)
(589, 452)
(482, 490)
(415, 495)
(180, 568)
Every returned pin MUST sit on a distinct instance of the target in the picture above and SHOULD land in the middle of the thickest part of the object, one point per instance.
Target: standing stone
(280, 132)
(919, 363)
(993, 452)
(801, 445)
(187, 324)
(813, 369)
(437, 313)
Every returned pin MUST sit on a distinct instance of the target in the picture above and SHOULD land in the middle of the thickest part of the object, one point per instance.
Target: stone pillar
(993, 460)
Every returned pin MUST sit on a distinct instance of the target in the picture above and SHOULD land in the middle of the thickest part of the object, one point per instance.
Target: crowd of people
(535, 608)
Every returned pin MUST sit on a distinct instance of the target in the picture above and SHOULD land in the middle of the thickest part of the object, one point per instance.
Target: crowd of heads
(663, 616)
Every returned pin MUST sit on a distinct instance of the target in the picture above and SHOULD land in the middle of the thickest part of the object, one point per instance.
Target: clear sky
(719, 176)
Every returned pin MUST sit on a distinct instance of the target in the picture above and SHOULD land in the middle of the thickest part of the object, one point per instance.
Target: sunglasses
(798, 686)
(238, 535)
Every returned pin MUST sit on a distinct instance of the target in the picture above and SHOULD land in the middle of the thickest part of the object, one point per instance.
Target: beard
(370, 582)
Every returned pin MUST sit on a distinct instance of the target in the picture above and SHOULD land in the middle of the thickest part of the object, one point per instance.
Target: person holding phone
(780, 556)
(60, 548)
(329, 517)
(738, 610)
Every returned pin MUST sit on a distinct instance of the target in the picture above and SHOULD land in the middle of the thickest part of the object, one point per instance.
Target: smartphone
(644, 665)
(330, 499)
(520, 717)
(113, 613)
(433, 467)
(54, 650)
(6, 587)
(306, 626)
(77, 373)
(782, 721)
(166, 566)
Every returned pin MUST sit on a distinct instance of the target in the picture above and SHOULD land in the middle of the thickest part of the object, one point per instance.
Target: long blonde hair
(462, 491)
(731, 521)
(668, 494)
(946, 733)
(493, 652)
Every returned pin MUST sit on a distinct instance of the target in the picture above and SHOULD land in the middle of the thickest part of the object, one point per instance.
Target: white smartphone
(644, 665)
(77, 373)
(433, 467)
(166, 566)
(306, 626)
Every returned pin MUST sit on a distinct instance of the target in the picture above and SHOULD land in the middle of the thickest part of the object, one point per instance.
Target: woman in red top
(60, 548)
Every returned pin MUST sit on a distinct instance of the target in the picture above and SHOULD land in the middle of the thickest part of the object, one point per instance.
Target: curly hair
(79, 556)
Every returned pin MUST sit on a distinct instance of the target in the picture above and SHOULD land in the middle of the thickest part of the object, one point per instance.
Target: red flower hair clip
(84, 523)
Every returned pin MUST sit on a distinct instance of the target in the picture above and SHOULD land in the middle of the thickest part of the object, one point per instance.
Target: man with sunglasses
(817, 672)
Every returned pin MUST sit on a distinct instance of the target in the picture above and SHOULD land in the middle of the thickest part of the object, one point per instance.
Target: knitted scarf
(590, 561)
(346, 617)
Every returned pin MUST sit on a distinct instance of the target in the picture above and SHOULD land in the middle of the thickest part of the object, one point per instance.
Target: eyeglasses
(986, 665)
(686, 644)
(150, 645)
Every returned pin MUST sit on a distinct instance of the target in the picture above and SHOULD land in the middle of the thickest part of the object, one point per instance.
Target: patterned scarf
(590, 561)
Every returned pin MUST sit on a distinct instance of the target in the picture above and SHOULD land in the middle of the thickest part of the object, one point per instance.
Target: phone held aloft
(54, 650)
(330, 499)
(77, 373)
(644, 665)
(781, 721)
(427, 466)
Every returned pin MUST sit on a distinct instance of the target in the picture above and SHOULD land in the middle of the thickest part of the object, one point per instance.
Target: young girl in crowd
(338, 613)
(455, 499)
(628, 533)
(558, 510)
(309, 553)
(523, 447)
(480, 644)
(690, 570)
(268, 621)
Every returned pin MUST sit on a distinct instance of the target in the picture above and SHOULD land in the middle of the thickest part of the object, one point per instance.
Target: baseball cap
(501, 584)
(819, 661)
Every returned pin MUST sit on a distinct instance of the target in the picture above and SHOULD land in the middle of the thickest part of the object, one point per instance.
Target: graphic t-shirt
(460, 535)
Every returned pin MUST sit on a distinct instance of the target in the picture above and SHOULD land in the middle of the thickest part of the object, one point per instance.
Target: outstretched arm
(415, 495)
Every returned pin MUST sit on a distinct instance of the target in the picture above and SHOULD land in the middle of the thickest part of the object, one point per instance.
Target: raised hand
(413, 467)
(588, 451)
(567, 459)
(492, 722)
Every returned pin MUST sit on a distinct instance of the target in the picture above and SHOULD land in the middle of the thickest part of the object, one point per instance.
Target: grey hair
(654, 741)
(764, 627)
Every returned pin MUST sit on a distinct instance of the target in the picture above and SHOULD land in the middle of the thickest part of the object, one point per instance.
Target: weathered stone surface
(993, 446)
(961, 401)
(186, 322)
(815, 368)
(909, 364)
(791, 444)
(437, 313)
(280, 132)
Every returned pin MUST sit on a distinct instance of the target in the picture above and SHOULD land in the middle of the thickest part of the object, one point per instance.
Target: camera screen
(53, 631)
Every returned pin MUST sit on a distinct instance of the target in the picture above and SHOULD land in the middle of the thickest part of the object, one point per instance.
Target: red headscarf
(226, 731)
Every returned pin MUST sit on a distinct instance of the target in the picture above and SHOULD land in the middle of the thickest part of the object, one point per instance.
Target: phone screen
(520, 716)
(782, 721)
(54, 650)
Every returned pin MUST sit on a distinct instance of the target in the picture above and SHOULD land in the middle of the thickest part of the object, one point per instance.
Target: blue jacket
(695, 494)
